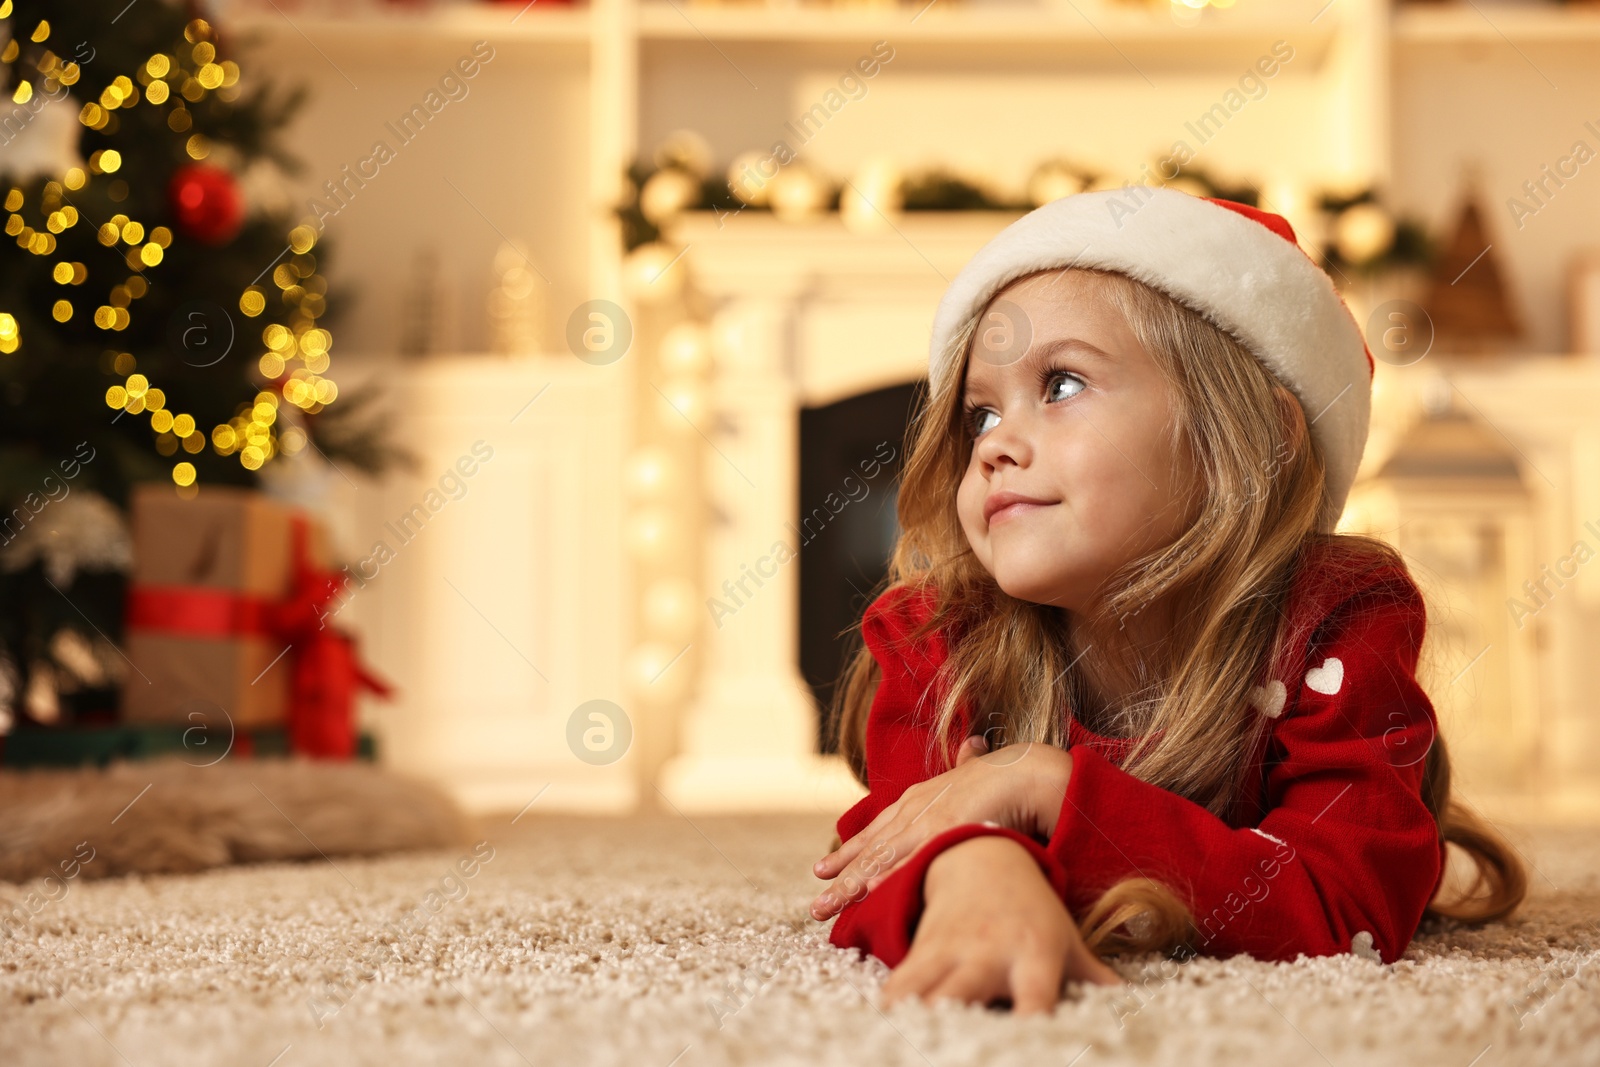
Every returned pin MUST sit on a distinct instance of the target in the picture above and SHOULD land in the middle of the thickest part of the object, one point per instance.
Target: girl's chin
(1030, 585)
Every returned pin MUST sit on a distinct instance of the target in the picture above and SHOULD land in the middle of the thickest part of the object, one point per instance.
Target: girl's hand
(1020, 787)
(993, 929)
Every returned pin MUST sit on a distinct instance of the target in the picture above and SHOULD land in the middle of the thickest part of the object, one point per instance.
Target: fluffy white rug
(659, 942)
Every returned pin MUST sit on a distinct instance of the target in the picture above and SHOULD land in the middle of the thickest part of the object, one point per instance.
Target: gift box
(225, 620)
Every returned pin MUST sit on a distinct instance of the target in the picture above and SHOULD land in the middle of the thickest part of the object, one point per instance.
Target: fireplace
(851, 452)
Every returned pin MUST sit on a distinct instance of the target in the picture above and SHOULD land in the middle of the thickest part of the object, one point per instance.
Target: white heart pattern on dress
(1327, 678)
(1268, 699)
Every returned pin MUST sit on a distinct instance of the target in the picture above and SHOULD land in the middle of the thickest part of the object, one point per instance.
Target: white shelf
(989, 34)
(990, 23)
(1493, 24)
(401, 33)
(987, 27)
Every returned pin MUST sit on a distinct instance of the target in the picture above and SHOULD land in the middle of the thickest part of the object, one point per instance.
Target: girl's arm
(1347, 857)
(994, 929)
(1020, 787)
(898, 735)
(899, 740)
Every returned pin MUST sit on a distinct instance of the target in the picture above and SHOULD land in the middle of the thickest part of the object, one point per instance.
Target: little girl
(1126, 690)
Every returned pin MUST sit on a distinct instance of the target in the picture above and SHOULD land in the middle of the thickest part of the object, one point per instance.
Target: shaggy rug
(168, 816)
(658, 941)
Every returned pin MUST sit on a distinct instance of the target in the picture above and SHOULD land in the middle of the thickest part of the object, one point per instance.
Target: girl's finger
(1036, 983)
(828, 905)
(916, 974)
(840, 857)
(849, 884)
(858, 879)
(976, 982)
(878, 879)
(831, 901)
(891, 853)
(1084, 966)
(868, 859)
(976, 745)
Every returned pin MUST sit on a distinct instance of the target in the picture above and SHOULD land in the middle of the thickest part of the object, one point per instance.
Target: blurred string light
(295, 359)
(1188, 13)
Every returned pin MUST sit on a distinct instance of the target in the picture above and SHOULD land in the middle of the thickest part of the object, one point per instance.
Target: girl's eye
(1059, 385)
(1074, 384)
(977, 422)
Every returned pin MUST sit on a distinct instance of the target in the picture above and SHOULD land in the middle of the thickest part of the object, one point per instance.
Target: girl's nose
(1006, 441)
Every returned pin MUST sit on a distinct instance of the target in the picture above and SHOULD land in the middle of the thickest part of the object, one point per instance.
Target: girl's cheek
(969, 500)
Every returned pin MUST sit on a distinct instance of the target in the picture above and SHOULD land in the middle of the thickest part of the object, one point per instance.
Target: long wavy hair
(1020, 671)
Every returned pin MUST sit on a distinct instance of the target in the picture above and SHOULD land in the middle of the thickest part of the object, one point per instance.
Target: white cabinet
(497, 603)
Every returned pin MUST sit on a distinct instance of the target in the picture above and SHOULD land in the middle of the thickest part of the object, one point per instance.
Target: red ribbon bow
(326, 672)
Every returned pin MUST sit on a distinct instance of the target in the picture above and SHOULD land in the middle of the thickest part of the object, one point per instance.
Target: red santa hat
(1238, 266)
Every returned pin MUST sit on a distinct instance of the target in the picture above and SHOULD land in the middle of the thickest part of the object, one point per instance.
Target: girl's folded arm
(1347, 846)
(883, 922)
(899, 739)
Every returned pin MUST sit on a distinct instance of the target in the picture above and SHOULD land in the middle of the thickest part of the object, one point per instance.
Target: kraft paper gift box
(207, 573)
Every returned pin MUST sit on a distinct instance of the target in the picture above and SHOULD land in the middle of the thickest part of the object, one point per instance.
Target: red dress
(1328, 848)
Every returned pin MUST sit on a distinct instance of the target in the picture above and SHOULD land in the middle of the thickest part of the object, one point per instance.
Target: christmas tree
(1468, 298)
(153, 324)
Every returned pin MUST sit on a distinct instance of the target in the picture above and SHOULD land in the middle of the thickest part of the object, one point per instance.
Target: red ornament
(206, 202)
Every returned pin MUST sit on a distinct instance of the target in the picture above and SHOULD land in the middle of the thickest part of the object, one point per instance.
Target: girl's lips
(1018, 508)
(994, 502)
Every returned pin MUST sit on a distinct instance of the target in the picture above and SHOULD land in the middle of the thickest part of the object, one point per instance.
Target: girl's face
(1065, 407)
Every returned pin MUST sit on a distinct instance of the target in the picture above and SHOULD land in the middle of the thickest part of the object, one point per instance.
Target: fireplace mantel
(859, 306)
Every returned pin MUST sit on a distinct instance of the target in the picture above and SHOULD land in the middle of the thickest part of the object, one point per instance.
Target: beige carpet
(591, 941)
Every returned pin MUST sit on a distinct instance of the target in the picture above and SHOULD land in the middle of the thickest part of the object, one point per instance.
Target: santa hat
(1239, 267)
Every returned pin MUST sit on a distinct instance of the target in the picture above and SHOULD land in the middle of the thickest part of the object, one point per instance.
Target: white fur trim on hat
(1253, 282)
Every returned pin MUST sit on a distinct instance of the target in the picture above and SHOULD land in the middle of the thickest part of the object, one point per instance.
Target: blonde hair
(1228, 576)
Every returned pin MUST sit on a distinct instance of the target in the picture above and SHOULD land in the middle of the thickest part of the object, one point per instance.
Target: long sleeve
(1346, 847)
(899, 747)
(899, 737)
